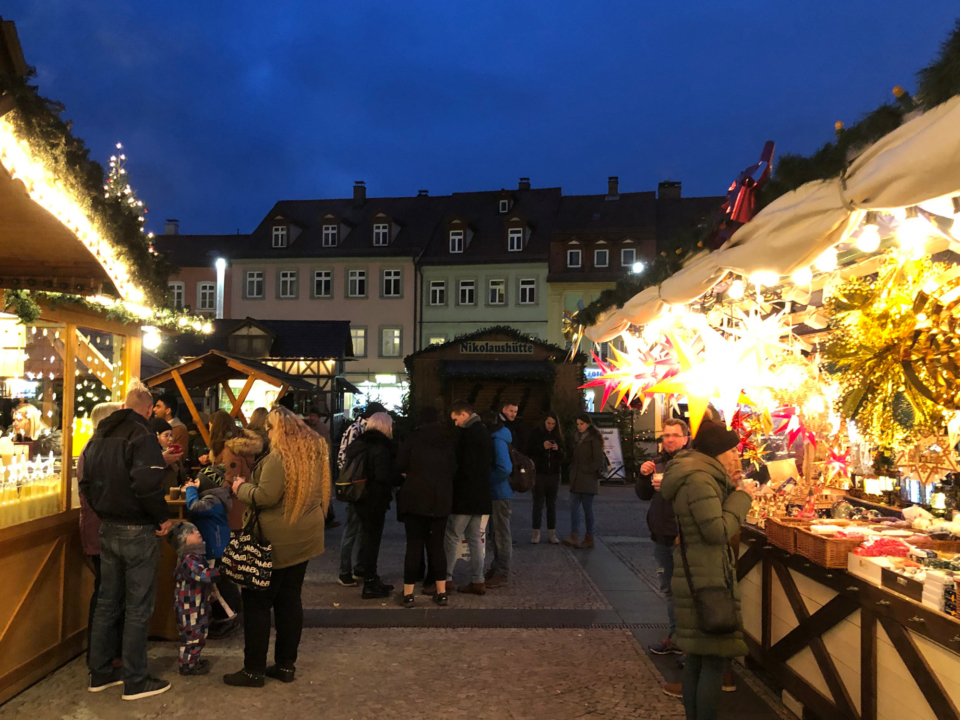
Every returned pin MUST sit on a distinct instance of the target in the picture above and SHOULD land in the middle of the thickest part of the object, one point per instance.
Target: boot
(535, 537)
(552, 537)
(473, 589)
(587, 542)
(729, 681)
(573, 542)
(282, 674)
(674, 690)
(496, 581)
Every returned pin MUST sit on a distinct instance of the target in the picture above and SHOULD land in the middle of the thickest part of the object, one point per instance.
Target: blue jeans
(459, 526)
(576, 500)
(129, 558)
(501, 537)
(702, 686)
(663, 554)
(351, 530)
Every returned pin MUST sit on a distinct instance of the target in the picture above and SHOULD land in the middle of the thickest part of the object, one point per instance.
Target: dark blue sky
(226, 107)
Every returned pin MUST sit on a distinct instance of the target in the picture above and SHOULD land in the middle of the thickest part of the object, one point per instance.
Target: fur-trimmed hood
(247, 443)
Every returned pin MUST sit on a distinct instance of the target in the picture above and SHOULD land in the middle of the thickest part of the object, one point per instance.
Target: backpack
(524, 473)
(352, 483)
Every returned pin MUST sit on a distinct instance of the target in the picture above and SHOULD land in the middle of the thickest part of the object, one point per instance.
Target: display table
(843, 647)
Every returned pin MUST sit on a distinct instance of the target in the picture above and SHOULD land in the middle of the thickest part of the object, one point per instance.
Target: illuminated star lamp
(792, 424)
(838, 464)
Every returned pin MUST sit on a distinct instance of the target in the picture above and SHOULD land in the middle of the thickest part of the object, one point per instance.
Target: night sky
(226, 107)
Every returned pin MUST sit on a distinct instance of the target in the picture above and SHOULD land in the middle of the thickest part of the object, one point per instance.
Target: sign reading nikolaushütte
(470, 347)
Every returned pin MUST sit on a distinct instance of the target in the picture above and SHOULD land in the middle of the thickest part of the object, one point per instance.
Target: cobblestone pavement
(359, 674)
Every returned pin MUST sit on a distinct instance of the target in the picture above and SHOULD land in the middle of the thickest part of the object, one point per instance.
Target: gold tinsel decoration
(869, 352)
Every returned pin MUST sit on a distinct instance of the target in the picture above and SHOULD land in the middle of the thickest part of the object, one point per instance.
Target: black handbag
(716, 607)
(352, 483)
(247, 559)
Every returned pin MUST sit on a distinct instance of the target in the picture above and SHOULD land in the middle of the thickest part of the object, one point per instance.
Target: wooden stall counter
(843, 647)
(163, 624)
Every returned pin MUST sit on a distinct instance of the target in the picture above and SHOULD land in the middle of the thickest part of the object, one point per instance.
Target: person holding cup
(175, 475)
(662, 521)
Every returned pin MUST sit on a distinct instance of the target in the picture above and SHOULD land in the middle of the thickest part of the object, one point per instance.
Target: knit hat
(159, 425)
(177, 536)
(714, 439)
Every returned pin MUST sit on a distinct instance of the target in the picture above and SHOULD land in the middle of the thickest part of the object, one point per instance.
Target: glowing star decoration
(754, 454)
(632, 373)
(793, 426)
(759, 342)
(928, 460)
(838, 464)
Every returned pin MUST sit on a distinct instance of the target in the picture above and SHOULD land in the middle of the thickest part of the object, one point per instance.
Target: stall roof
(218, 367)
(291, 338)
(506, 369)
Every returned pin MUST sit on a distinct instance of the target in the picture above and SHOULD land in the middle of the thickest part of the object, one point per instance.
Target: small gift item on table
(883, 547)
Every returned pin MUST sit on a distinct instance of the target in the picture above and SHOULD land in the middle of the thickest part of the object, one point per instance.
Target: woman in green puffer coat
(703, 484)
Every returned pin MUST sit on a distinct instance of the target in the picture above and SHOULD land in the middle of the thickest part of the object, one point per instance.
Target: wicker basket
(782, 532)
(826, 551)
(946, 546)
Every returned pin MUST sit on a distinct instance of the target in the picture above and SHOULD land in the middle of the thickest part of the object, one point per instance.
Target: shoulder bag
(716, 606)
(248, 559)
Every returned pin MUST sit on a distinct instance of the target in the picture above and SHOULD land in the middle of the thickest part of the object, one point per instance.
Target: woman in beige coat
(291, 490)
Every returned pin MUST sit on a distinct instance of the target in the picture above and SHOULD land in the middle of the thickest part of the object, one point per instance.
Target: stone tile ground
(359, 674)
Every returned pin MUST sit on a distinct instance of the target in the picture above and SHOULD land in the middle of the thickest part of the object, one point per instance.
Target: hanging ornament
(838, 464)
(792, 424)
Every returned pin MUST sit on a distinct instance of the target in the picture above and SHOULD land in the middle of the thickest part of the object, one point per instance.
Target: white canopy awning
(918, 163)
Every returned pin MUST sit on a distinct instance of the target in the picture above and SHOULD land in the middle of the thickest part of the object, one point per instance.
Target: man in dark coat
(123, 469)
(471, 494)
(662, 521)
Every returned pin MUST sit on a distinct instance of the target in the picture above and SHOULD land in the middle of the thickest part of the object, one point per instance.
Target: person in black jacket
(471, 494)
(661, 519)
(381, 477)
(545, 448)
(428, 461)
(123, 469)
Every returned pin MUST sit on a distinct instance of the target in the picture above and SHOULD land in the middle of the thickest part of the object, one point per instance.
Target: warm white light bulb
(803, 276)
(735, 292)
(765, 278)
(638, 267)
(869, 239)
(827, 261)
(913, 233)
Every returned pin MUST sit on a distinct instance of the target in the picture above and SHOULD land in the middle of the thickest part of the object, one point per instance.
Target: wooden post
(283, 391)
(131, 360)
(868, 664)
(66, 419)
(201, 428)
(237, 412)
(244, 391)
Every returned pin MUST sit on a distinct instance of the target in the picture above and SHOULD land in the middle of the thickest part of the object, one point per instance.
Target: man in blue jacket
(502, 494)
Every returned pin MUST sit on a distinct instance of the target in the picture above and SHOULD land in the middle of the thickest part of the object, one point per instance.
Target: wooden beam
(68, 414)
(244, 391)
(237, 412)
(816, 626)
(829, 669)
(201, 427)
(920, 669)
(766, 603)
(868, 664)
(748, 561)
(283, 391)
(84, 344)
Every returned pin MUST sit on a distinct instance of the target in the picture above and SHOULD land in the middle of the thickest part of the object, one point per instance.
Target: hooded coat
(502, 466)
(209, 511)
(429, 458)
(382, 475)
(471, 484)
(709, 512)
(588, 462)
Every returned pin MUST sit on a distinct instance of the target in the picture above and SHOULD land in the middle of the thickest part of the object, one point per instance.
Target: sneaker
(242, 678)
(202, 667)
(674, 690)
(409, 600)
(440, 599)
(496, 581)
(100, 684)
(359, 578)
(348, 580)
(147, 687)
(535, 537)
(729, 681)
(552, 537)
(286, 675)
(374, 589)
(666, 647)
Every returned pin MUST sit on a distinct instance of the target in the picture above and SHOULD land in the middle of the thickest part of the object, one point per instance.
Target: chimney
(613, 188)
(359, 193)
(423, 193)
(171, 227)
(524, 184)
(668, 190)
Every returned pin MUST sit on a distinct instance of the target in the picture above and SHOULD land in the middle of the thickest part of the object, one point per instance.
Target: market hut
(79, 285)
(825, 331)
(495, 365)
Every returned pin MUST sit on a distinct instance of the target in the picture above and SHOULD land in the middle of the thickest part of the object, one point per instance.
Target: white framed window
(515, 239)
(381, 234)
(358, 336)
(206, 296)
(601, 258)
(438, 292)
(357, 283)
(574, 258)
(498, 292)
(279, 236)
(254, 283)
(528, 292)
(504, 206)
(436, 340)
(628, 256)
(175, 290)
(288, 283)
(456, 241)
(468, 292)
(329, 235)
(390, 342)
(322, 283)
(391, 283)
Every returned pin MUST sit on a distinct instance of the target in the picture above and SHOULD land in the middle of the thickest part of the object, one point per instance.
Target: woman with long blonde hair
(290, 489)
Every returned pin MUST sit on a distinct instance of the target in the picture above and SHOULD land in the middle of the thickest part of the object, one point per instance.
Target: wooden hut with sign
(497, 365)
(79, 283)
